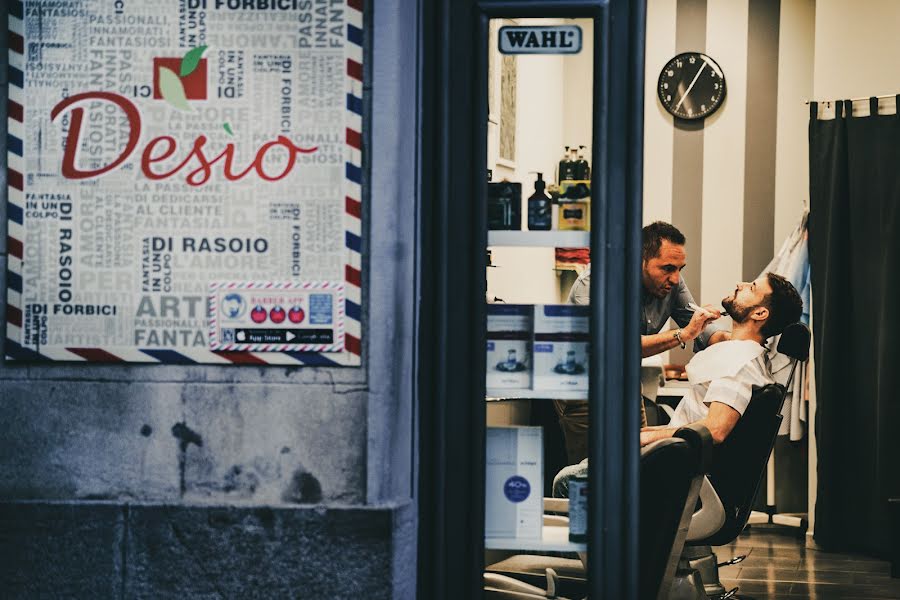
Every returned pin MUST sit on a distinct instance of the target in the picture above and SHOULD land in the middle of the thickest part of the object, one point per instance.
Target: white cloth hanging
(792, 263)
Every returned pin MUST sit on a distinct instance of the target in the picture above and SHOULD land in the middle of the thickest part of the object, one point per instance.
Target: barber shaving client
(664, 294)
(723, 376)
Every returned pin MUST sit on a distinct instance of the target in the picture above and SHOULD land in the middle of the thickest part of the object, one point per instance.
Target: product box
(574, 206)
(514, 503)
(509, 346)
(561, 340)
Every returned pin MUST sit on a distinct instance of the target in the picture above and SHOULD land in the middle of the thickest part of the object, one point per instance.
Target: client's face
(745, 298)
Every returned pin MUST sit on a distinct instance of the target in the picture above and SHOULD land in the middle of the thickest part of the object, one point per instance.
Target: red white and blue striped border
(337, 290)
(15, 204)
(354, 179)
(351, 356)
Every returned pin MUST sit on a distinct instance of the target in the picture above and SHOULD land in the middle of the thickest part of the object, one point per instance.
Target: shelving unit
(555, 539)
(540, 239)
(497, 395)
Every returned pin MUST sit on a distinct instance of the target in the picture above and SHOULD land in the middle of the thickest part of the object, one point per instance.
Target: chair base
(698, 563)
(796, 523)
(686, 585)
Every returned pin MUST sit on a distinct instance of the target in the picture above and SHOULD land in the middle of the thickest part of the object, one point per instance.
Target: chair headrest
(794, 341)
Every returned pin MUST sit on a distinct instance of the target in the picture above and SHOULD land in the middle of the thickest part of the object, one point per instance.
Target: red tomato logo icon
(277, 314)
(296, 314)
(258, 314)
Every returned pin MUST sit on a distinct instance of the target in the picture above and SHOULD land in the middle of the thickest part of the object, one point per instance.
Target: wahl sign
(543, 39)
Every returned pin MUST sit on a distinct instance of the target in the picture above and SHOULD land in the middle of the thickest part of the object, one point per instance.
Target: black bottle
(582, 168)
(540, 215)
(566, 168)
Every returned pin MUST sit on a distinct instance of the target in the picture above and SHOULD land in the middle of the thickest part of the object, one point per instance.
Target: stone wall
(206, 481)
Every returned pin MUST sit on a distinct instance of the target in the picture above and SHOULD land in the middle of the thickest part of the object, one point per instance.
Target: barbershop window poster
(185, 181)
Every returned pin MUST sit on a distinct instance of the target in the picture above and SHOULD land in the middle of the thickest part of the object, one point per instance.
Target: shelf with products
(500, 395)
(555, 538)
(540, 239)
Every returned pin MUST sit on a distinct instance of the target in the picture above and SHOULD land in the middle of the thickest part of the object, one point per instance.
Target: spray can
(578, 509)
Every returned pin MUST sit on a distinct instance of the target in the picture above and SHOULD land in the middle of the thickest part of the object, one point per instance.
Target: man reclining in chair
(723, 376)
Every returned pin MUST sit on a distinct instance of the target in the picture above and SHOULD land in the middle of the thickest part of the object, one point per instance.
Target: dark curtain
(854, 250)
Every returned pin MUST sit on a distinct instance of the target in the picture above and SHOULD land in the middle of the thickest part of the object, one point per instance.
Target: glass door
(539, 148)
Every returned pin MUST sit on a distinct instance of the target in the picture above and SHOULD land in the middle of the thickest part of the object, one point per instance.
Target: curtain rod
(852, 99)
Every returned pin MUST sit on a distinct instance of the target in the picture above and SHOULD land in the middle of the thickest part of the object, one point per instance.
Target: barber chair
(671, 472)
(738, 468)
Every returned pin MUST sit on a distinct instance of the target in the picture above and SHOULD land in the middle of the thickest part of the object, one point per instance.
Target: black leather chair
(671, 474)
(738, 468)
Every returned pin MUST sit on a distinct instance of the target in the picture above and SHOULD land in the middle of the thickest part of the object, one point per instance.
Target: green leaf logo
(191, 60)
(172, 90)
(227, 127)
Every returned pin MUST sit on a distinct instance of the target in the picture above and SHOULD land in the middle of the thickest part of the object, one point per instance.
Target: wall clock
(691, 86)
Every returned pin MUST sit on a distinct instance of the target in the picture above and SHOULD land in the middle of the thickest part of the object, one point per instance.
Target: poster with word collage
(185, 181)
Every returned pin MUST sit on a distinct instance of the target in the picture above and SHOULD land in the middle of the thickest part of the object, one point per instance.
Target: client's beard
(738, 314)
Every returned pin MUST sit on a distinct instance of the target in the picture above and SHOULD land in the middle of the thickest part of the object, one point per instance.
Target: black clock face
(691, 86)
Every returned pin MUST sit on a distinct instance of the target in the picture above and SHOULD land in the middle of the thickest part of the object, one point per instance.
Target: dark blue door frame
(453, 232)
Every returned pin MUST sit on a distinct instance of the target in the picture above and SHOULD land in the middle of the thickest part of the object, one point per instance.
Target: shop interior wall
(526, 274)
(737, 184)
(856, 49)
(304, 436)
(553, 110)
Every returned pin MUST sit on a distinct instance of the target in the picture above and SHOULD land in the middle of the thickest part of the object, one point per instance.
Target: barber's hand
(646, 437)
(714, 310)
(698, 322)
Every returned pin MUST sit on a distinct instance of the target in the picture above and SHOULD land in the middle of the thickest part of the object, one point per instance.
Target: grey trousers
(561, 481)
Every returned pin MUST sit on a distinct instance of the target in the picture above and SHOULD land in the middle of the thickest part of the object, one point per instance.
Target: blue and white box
(561, 342)
(514, 502)
(509, 346)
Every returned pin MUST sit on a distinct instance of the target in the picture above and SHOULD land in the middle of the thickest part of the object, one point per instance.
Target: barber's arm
(682, 313)
(666, 340)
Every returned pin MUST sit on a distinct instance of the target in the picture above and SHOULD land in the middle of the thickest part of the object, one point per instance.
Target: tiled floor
(778, 565)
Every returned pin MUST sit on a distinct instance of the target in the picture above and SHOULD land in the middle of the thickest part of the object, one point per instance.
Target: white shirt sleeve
(581, 290)
(733, 391)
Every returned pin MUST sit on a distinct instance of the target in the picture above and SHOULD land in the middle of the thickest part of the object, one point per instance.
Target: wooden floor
(779, 565)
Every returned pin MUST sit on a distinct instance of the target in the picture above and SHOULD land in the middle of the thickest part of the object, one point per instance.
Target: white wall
(658, 131)
(722, 237)
(723, 155)
(857, 48)
(795, 87)
(553, 109)
(577, 92)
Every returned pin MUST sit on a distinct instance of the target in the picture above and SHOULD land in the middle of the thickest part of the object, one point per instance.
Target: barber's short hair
(654, 234)
(784, 304)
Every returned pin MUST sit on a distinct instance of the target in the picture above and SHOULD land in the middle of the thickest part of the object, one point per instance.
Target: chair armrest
(700, 439)
(502, 586)
(556, 521)
(556, 505)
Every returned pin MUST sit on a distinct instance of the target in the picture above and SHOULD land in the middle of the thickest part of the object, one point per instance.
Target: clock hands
(690, 87)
